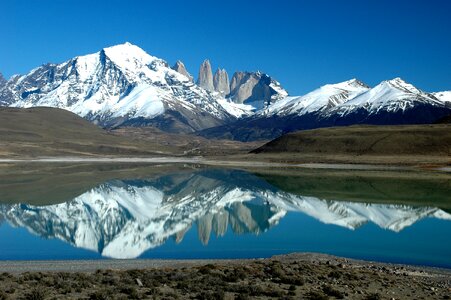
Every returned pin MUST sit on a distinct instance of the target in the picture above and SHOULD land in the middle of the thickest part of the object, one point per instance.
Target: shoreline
(229, 163)
(291, 276)
(91, 265)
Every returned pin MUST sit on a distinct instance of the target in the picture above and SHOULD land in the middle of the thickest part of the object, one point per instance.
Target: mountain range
(391, 102)
(122, 86)
(125, 218)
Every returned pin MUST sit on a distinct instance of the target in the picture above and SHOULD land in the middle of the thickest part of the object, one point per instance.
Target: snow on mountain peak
(390, 95)
(327, 96)
(357, 83)
(124, 84)
(444, 96)
(137, 63)
(121, 83)
(402, 85)
(352, 83)
(129, 56)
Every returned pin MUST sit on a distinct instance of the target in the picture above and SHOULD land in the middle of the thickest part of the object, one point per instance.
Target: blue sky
(303, 44)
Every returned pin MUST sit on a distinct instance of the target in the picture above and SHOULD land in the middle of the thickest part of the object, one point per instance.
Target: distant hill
(365, 140)
(444, 120)
(44, 131)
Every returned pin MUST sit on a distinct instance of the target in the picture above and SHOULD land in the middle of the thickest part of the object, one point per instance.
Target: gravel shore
(294, 276)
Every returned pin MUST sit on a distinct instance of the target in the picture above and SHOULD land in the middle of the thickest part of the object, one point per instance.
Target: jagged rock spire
(205, 79)
(236, 81)
(180, 67)
(255, 87)
(2, 80)
(221, 82)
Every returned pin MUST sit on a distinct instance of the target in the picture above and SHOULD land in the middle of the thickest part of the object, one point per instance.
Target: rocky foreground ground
(297, 276)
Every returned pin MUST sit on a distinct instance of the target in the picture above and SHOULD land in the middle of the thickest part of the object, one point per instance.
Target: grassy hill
(44, 131)
(415, 145)
(366, 140)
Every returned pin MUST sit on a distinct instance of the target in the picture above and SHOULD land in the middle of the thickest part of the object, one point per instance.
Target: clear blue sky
(303, 44)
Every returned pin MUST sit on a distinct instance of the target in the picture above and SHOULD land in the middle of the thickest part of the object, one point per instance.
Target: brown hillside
(44, 131)
(365, 140)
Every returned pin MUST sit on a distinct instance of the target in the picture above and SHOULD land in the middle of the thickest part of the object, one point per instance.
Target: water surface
(161, 211)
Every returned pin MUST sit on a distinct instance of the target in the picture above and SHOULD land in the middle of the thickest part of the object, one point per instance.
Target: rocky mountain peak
(357, 83)
(402, 85)
(236, 80)
(118, 85)
(205, 79)
(221, 82)
(128, 55)
(351, 84)
(2, 81)
(255, 88)
(179, 66)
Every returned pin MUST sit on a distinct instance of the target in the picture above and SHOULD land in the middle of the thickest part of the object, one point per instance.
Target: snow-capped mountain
(323, 98)
(118, 85)
(122, 85)
(123, 219)
(351, 102)
(256, 89)
(443, 96)
(391, 96)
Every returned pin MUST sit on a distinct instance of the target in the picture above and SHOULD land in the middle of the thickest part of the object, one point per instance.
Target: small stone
(139, 282)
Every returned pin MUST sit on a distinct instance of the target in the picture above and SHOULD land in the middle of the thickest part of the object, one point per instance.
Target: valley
(124, 102)
(225, 150)
(123, 86)
(37, 133)
(51, 132)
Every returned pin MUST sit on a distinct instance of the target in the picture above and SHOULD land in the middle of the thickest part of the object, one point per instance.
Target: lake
(124, 211)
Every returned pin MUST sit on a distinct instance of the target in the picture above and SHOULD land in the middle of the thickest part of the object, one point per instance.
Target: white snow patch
(444, 96)
(235, 109)
(143, 101)
(327, 96)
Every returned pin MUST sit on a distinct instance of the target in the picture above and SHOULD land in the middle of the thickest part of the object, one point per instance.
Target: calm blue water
(220, 214)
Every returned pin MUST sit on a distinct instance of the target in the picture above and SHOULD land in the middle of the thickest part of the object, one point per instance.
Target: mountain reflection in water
(124, 218)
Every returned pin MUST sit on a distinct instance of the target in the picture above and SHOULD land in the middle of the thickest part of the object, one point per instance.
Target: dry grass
(277, 278)
(431, 140)
(44, 131)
